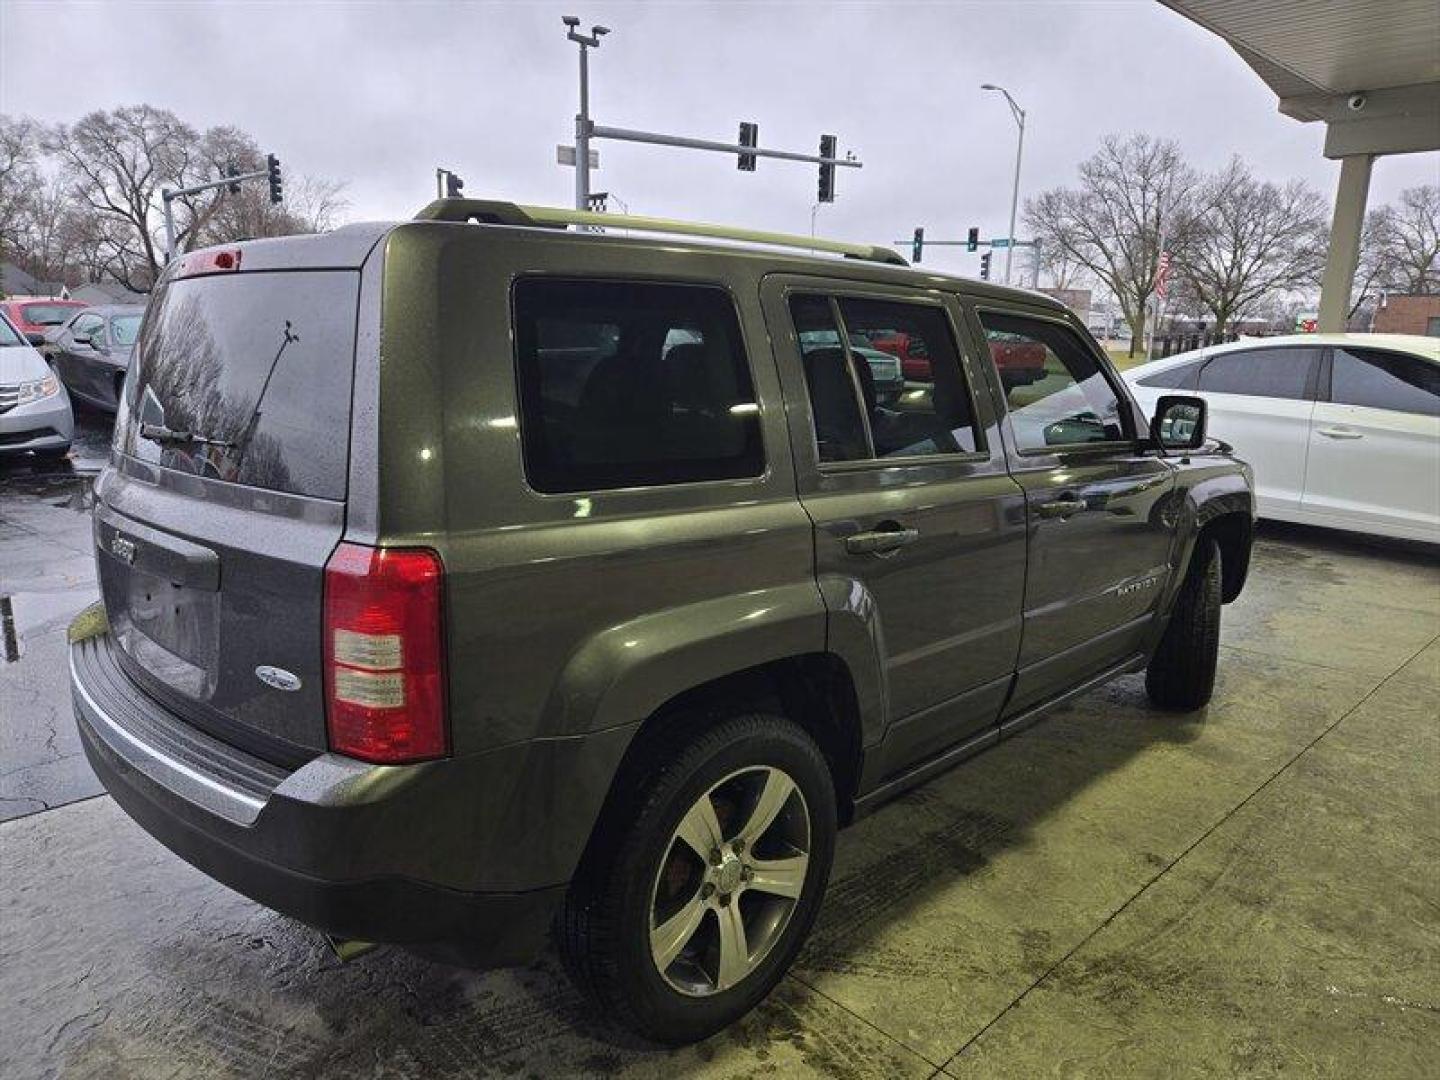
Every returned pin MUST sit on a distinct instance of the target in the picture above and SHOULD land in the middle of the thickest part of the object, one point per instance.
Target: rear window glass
(629, 384)
(246, 378)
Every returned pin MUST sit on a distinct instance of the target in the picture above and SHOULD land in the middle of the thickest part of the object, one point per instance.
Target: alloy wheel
(729, 880)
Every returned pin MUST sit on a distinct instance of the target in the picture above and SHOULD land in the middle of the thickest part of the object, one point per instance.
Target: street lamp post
(1019, 114)
(582, 118)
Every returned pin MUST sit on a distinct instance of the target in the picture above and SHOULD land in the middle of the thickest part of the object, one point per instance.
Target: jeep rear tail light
(384, 654)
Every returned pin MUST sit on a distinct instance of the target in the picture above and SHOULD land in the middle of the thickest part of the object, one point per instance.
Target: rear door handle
(881, 541)
(1339, 433)
(1060, 508)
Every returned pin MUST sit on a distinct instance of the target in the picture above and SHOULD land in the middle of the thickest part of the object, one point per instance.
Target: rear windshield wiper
(165, 436)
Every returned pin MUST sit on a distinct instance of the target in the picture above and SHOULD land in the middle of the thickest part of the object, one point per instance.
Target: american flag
(1162, 276)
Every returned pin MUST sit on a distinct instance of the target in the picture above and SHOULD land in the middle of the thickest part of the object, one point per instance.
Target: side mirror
(36, 338)
(1179, 422)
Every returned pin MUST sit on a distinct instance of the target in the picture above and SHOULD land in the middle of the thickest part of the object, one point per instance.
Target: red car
(914, 356)
(1019, 362)
(39, 314)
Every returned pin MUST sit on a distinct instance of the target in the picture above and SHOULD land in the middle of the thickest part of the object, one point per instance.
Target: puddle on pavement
(64, 488)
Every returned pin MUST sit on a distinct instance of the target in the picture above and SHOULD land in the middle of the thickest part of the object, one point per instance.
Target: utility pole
(1162, 226)
(231, 180)
(582, 118)
(745, 149)
(1019, 114)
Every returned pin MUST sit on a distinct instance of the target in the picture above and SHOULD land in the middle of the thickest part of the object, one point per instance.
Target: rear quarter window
(1180, 377)
(632, 384)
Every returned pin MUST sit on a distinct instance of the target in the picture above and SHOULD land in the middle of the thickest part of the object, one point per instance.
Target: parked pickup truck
(473, 579)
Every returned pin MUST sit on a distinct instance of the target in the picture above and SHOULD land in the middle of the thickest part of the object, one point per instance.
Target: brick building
(1408, 315)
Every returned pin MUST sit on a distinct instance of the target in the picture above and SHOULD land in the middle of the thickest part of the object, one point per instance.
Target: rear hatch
(226, 497)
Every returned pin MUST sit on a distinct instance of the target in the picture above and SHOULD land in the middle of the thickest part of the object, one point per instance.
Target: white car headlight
(38, 390)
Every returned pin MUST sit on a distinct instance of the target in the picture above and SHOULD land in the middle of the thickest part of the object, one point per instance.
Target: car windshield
(125, 329)
(47, 314)
(8, 334)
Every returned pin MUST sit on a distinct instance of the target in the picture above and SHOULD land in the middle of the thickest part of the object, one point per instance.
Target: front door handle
(1339, 433)
(1060, 508)
(881, 541)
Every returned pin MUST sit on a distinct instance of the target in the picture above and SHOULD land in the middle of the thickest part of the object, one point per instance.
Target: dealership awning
(1368, 69)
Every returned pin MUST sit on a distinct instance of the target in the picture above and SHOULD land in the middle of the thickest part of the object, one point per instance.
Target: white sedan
(1343, 430)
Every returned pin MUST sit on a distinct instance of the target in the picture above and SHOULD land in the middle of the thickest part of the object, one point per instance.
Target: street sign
(1000, 242)
(565, 155)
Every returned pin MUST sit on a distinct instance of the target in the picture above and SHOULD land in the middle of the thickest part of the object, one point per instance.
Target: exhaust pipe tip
(348, 949)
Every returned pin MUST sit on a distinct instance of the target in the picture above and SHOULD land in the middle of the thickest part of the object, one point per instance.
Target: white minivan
(1342, 430)
(35, 414)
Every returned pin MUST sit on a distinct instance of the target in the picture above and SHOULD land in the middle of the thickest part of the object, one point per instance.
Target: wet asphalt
(47, 574)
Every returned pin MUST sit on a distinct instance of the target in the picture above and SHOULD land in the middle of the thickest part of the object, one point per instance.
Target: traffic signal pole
(586, 130)
(169, 195)
(921, 241)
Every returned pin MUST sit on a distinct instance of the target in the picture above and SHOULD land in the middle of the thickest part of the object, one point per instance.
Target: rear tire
(1181, 675)
(751, 775)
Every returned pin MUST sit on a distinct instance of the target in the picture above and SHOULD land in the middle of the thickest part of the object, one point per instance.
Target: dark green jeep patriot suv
(476, 578)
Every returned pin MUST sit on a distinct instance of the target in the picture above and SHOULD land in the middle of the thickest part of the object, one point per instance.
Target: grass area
(1122, 360)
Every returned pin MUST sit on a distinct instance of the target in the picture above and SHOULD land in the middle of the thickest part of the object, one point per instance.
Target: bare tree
(1410, 237)
(315, 203)
(1249, 241)
(1058, 268)
(117, 163)
(19, 153)
(41, 243)
(1374, 266)
(1399, 248)
(1130, 191)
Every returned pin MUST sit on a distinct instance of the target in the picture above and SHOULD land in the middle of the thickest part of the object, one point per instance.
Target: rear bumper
(404, 855)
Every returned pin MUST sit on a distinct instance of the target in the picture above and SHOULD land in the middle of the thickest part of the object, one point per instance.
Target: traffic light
(985, 267)
(827, 172)
(749, 136)
(234, 187)
(972, 241)
(272, 169)
(454, 186)
(919, 245)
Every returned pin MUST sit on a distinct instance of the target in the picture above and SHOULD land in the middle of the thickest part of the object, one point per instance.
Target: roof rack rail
(493, 212)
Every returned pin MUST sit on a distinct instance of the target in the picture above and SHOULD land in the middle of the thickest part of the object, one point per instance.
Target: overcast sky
(379, 94)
